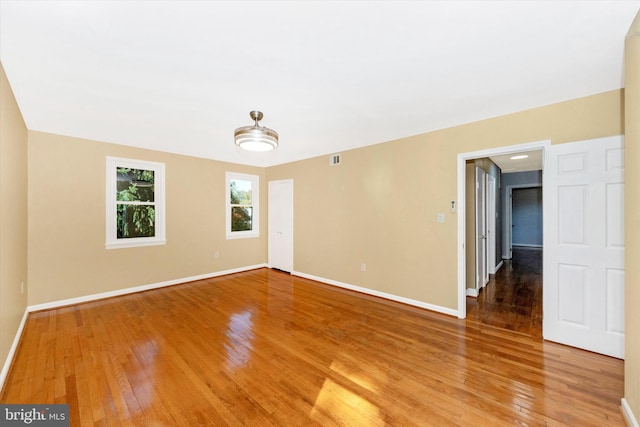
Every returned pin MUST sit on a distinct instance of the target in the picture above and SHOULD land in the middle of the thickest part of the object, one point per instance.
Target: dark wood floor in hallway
(265, 348)
(513, 297)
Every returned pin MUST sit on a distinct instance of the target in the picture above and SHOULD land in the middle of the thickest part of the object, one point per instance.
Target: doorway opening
(514, 287)
(523, 212)
(507, 294)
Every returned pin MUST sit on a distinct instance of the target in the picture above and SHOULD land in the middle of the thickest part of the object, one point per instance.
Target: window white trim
(255, 200)
(112, 241)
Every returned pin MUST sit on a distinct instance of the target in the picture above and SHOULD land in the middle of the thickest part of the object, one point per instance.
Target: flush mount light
(518, 157)
(256, 137)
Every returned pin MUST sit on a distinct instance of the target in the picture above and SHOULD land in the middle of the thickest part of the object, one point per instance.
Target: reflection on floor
(513, 297)
(266, 348)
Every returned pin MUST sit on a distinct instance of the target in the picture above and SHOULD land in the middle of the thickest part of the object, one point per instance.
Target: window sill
(134, 244)
(242, 236)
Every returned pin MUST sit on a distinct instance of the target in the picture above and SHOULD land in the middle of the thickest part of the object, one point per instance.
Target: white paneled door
(491, 225)
(281, 225)
(583, 268)
(482, 273)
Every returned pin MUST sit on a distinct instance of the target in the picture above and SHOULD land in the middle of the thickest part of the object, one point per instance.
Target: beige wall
(632, 218)
(13, 216)
(67, 256)
(380, 205)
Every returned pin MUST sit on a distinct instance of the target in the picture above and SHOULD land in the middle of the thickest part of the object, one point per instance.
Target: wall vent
(334, 159)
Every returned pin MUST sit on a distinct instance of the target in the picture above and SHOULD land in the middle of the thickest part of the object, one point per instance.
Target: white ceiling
(328, 76)
(508, 164)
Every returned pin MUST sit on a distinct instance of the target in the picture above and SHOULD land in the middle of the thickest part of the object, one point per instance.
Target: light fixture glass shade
(256, 138)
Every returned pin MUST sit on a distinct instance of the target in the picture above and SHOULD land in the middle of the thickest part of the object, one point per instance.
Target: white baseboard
(13, 349)
(628, 414)
(384, 295)
(471, 292)
(125, 291)
(499, 266)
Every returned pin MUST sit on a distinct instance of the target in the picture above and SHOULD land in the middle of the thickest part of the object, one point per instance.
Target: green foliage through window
(135, 200)
(241, 206)
(241, 218)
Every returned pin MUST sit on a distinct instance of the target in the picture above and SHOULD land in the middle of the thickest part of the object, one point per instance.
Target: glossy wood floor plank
(513, 297)
(265, 348)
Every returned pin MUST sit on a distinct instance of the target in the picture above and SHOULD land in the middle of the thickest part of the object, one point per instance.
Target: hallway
(513, 297)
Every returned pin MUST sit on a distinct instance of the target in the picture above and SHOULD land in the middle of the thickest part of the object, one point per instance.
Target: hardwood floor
(266, 348)
(513, 297)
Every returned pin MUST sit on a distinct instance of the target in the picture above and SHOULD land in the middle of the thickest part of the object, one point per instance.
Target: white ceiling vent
(334, 159)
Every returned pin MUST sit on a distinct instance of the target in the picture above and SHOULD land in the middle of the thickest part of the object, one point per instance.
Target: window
(243, 199)
(135, 203)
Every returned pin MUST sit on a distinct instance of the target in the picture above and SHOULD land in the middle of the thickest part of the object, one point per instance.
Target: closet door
(281, 225)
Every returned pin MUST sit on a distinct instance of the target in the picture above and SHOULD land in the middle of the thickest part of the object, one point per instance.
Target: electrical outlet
(363, 267)
(440, 217)
(216, 254)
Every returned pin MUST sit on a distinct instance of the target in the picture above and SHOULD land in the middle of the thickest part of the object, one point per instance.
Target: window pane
(135, 185)
(241, 218)
(240, 192)
(136, 221)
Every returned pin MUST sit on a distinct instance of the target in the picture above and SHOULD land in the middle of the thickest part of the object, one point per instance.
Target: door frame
(461, 194)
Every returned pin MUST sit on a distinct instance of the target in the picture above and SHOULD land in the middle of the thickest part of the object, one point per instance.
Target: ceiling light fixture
(521, 156)
(256, 137)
